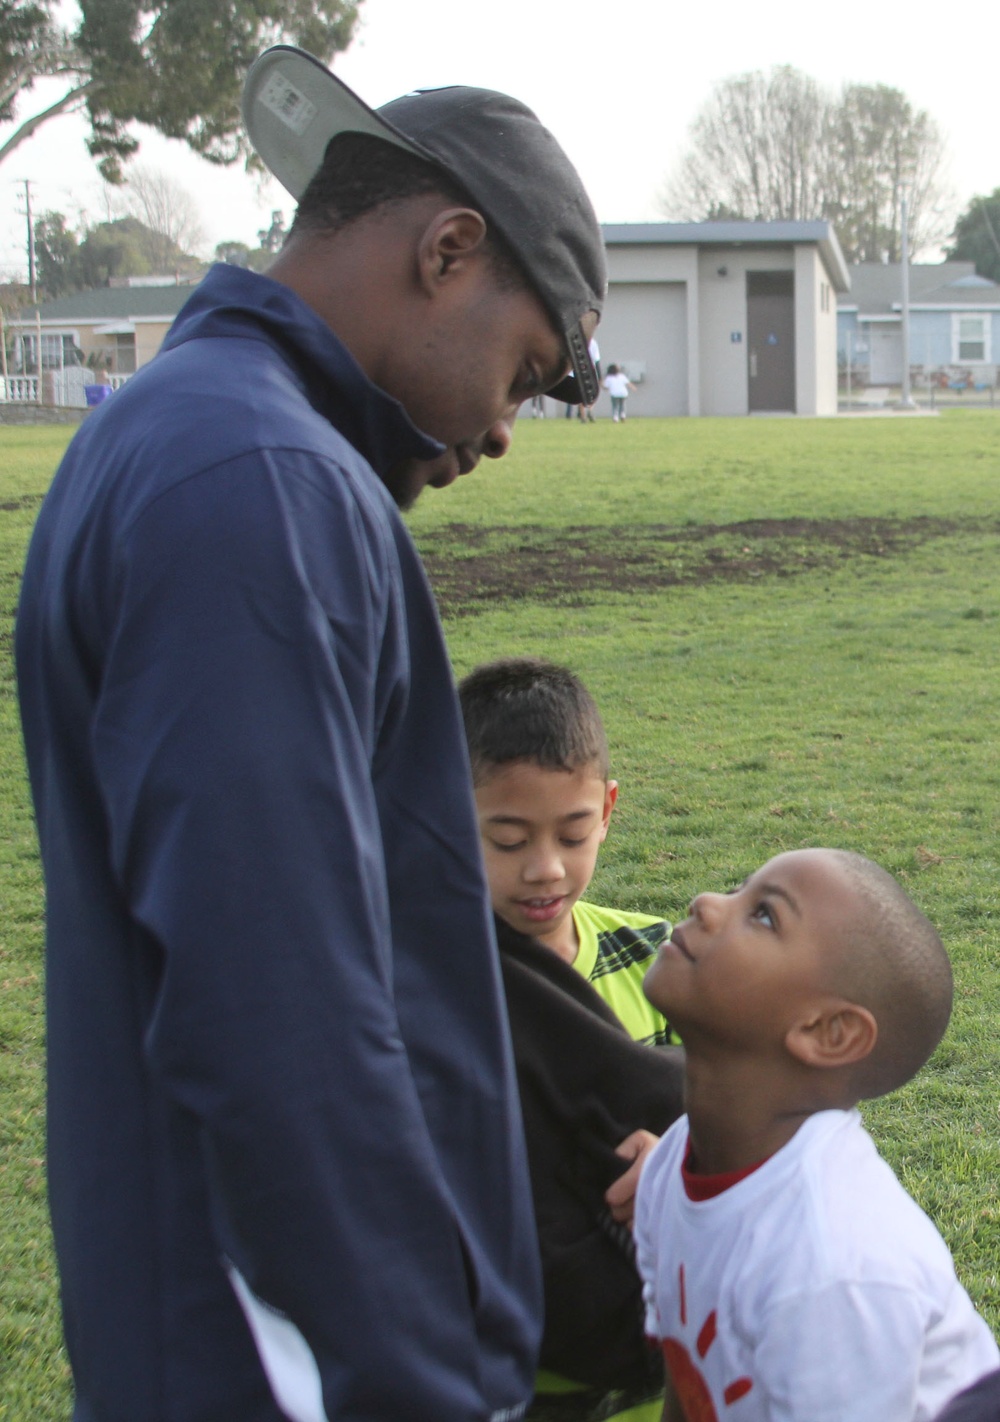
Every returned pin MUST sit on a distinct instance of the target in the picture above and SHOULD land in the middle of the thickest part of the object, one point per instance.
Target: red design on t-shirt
(692, 1390)
(707, 1335)
(688, 1383)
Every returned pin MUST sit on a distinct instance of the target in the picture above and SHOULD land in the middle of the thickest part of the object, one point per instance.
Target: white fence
(66, 388)
(22, 388)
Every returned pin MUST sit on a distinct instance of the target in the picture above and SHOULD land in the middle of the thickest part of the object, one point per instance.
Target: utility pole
(904, 252)
(31, 242)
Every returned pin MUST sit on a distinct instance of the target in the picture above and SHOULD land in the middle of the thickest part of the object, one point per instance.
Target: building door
(644, 329)
(886, 355)
(771, 340)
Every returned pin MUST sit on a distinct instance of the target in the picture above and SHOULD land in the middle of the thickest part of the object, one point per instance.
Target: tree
(176, 65)
(123, 247)
(976, 237)
(271, 238)
(755, 151)
(881, 152)
(167, 212)
(239, 254)
(56, 255)
(775, 146)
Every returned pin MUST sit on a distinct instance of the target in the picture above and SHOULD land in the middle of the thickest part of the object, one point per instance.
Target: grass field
(793, 630)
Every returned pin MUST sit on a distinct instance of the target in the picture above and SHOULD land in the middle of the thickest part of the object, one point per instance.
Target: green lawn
(792, 628)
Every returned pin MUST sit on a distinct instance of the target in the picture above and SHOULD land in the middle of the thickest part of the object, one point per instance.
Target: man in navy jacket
(286, 1167)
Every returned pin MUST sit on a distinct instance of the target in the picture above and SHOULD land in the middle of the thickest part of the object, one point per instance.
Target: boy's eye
(574, 843)
(498, 844)
(764, 915)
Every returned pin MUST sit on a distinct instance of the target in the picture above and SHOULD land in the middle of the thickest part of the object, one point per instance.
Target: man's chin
(407, 481)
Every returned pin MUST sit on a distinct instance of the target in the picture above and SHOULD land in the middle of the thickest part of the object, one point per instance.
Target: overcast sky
(618, 84)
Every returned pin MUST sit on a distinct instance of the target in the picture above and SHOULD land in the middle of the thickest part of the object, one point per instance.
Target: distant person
(593, 1096)
(618, 385)
(585, 411)
(286, 1167)
(585, 408)
(788, 1274)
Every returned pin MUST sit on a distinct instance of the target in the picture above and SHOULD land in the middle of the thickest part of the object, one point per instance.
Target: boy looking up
(787, 1272)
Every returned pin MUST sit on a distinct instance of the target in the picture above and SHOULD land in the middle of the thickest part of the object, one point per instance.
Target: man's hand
(620, 1196)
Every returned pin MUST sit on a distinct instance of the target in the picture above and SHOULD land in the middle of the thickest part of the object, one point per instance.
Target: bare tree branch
(775, 146)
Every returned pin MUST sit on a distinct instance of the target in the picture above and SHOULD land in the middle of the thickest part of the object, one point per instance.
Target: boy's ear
(836, 1034)
(610, 796)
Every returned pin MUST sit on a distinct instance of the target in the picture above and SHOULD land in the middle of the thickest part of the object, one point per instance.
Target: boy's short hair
(893, 962)
(524, 708)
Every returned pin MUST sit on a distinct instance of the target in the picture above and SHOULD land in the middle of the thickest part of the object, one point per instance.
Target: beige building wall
(815, 335)
(150, 334)
(668, 272)
(722, 277)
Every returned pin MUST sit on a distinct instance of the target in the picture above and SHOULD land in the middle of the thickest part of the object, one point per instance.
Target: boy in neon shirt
(544, 799)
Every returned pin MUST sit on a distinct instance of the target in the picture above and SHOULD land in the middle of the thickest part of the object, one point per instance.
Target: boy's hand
(620, 1196)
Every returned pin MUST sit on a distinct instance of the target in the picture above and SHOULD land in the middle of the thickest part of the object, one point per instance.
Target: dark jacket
(281, 1088)
(585, 1085)
(979, 1403)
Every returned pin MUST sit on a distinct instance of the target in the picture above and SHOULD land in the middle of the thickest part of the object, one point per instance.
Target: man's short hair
(893, 962)
(360, 174)
(527, 709)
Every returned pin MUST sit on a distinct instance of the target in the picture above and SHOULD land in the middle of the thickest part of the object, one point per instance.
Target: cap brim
(293, 106)
(581, 386)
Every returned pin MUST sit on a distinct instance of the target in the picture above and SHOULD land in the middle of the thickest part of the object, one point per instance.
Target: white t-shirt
(813, 1290)
(617, 385)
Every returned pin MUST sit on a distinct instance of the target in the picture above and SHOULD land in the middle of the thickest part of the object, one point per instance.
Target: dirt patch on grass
(472, 567)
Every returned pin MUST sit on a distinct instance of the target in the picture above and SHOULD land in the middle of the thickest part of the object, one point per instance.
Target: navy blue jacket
(284, 1140)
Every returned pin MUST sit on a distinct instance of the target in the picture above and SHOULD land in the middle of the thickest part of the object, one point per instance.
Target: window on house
(125, 354)
(58, 350)
(971, 338)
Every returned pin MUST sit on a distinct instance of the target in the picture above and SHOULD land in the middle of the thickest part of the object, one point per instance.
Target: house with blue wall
(954, 325)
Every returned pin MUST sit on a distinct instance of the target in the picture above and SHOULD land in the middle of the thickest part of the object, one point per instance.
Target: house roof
(114, 303)
(876, 287)
(735, 234)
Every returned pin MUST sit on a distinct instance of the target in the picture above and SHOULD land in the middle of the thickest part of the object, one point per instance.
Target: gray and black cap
(493, 145)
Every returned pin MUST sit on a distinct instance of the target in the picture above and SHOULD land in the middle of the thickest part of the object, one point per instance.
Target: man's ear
(449, 240)
(835, 1034)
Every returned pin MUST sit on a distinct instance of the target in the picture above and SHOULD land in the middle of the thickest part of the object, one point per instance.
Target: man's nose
(497, 438)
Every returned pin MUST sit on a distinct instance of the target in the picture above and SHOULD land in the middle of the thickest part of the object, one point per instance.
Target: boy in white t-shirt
(788, 1275)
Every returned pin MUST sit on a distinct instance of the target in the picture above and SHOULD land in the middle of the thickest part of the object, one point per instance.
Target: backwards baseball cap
(491, 144)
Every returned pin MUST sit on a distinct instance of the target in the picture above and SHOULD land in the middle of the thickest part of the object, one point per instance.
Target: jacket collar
(232, 301)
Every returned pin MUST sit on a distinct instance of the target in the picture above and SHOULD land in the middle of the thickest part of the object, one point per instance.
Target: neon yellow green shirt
(616, 948)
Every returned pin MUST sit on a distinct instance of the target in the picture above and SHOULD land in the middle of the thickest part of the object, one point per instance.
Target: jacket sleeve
(585, 1085)
(257, 661)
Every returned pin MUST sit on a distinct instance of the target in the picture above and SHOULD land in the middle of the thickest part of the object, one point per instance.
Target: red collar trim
(706, 1187)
